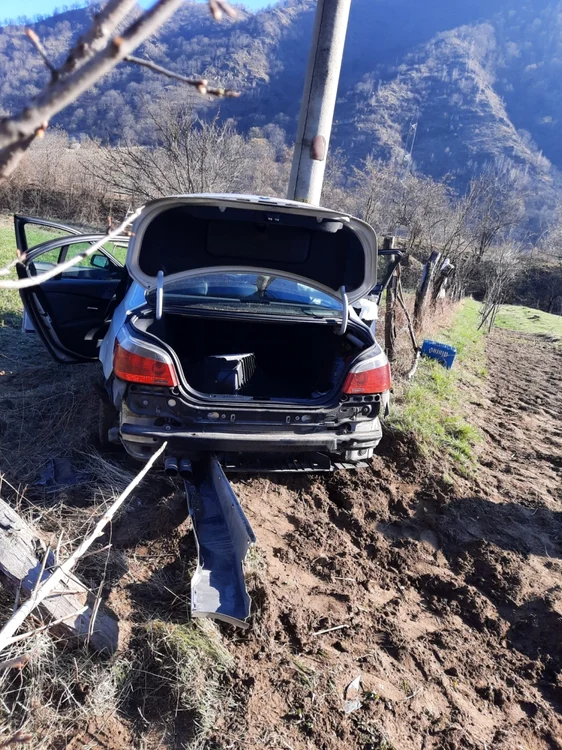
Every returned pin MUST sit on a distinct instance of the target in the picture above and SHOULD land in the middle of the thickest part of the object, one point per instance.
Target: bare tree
(190, 155)
(374, 187)
(500, 265)
(497, 204)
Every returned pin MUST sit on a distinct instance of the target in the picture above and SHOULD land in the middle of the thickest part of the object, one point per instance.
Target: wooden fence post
(440, 282)
(424, 289)
(390, 312)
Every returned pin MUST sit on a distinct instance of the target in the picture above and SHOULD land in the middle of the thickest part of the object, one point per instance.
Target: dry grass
(48, 412)
(59, 690)
(175, 678)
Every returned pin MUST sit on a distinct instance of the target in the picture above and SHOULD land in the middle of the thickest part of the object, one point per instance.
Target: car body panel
(149, 416)
(282, 236)
(134, 298)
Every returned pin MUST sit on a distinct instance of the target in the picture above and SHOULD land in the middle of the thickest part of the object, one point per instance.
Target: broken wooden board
(21, 560)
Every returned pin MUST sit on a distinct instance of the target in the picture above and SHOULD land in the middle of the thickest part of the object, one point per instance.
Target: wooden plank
(21, 561)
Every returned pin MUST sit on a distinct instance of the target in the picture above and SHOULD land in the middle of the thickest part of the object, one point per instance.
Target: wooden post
(390, 313)
(445, 271)
(424, 289)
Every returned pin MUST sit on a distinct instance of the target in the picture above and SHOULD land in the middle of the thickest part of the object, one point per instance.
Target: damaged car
(238, 325)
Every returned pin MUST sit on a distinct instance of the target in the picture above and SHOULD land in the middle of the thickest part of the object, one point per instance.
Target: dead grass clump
(176, 676)
(59, 691)
(259, 589)
(47, 413)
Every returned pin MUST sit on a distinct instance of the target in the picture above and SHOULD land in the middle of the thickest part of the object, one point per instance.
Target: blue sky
(15, 8)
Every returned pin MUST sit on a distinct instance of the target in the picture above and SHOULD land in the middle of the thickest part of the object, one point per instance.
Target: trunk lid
(182, 236)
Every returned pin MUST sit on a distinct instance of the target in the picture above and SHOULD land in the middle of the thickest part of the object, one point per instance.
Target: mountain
(442, 105)
(455, 84)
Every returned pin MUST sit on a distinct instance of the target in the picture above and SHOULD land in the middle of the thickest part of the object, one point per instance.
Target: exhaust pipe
(186, 469)
(171, 466)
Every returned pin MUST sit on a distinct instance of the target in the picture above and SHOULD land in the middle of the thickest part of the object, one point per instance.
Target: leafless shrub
(57, 180)
(189, 155)
(496, 200)
(500, 266)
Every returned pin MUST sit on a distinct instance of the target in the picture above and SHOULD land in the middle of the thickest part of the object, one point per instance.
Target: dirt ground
(444, 598)
(448, 598)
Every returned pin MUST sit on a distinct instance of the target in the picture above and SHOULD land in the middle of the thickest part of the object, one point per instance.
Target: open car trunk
(269, 360)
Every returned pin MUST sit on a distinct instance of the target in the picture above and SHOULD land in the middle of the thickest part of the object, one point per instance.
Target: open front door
(31, 232)
(72, 311)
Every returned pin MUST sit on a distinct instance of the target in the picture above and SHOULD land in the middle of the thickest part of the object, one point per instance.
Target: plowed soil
(445, 600)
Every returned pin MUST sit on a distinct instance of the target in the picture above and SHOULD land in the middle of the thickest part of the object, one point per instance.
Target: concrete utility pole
(319, 100)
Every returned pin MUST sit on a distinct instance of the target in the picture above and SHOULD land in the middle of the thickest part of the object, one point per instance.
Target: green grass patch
(10, 301)
(529, 320)
(179, 667)
(431, 408)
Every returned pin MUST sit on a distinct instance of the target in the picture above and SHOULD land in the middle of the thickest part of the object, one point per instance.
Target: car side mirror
(100, 261)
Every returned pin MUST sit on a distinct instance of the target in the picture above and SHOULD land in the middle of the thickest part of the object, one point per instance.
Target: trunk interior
(269, 360)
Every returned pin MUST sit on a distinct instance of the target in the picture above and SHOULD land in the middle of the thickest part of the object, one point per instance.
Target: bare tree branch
(199, 83)
(60, 267)
(105, 22)
(32, 36)
(94, 55)
(218, 7)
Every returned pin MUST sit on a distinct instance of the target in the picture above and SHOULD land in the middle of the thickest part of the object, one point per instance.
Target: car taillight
(149, 367)
(371, 376)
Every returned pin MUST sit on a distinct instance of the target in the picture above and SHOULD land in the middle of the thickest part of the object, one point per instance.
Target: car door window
(50, 258)
(100, 265)
(96, 266)
(117, 250)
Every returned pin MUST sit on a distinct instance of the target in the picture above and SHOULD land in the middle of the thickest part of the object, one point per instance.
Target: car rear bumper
(142, 440)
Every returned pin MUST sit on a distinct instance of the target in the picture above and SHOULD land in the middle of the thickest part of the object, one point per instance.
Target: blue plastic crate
(443, 353)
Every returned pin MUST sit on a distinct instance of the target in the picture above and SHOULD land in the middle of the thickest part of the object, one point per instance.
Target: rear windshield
(248, 292)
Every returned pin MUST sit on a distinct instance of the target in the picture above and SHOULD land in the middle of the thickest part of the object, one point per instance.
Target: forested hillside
(478, 81)
(446, 126)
